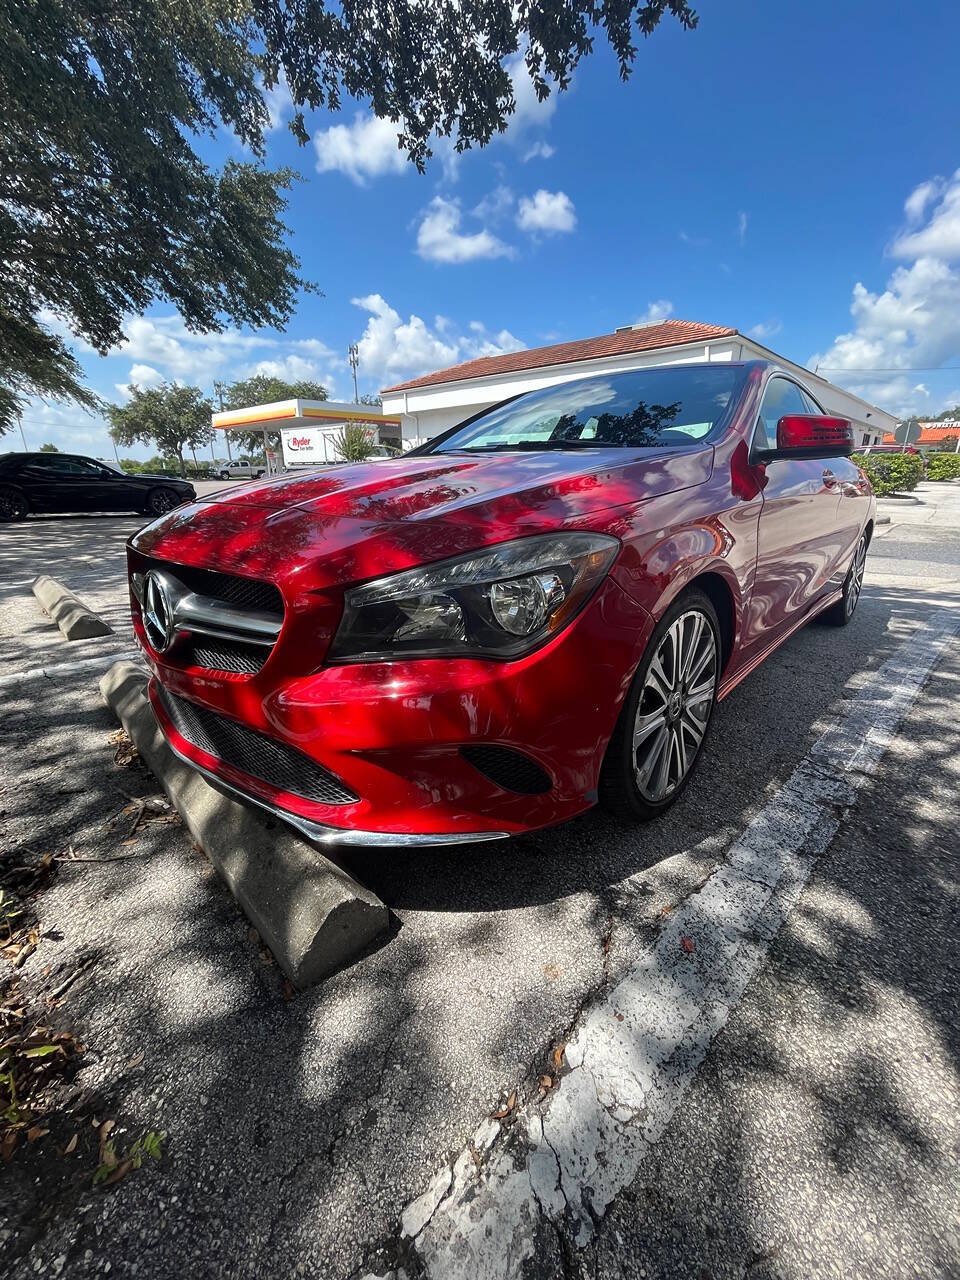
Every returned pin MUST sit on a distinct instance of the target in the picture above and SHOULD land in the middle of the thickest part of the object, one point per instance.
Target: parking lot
(811, 1131)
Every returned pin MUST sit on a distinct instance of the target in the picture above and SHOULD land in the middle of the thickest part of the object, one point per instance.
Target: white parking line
(59, 669)
(636, 1053)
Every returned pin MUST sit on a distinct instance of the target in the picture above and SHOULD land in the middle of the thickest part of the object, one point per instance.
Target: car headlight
(497, 603)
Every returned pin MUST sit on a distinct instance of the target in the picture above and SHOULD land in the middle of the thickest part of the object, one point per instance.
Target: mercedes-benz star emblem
(157, 611)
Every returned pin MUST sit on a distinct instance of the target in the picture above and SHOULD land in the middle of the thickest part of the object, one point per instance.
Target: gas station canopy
(307, 427)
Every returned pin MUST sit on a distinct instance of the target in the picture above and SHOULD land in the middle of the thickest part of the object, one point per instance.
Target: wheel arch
(716, 587)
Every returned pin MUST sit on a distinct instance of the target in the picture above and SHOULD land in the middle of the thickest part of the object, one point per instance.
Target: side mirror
(810, 435)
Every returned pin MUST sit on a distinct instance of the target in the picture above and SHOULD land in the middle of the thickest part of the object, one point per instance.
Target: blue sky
(790, 170)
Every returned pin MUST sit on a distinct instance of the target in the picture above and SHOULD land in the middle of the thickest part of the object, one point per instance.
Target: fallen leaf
(136, 1059)
(618, 1016)
(557, 1056)
(507, 1107)
(35, 1132)
(546, 1082)
(121, 1171)
(71, 1145)
(688, 945)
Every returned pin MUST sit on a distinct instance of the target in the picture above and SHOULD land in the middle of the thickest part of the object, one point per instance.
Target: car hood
(352, 522)
(441, 486)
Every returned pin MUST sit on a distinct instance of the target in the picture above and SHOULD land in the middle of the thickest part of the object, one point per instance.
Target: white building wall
(428, 411)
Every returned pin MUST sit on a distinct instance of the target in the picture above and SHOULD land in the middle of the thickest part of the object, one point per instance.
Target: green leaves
(891, 472)
(105, 205)
(173, 417)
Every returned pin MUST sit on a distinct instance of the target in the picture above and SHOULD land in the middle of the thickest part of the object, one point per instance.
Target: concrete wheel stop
(71, 615)
(311, 913)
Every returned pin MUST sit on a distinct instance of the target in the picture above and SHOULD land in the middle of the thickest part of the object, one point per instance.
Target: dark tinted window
(650, 407)
(780, 398)
(59, 465)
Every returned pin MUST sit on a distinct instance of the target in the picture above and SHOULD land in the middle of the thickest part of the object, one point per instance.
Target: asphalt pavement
(818, 1137)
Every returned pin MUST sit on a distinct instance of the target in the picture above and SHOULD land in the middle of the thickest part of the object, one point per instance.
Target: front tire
(13, 504)
(664, 721)
(224, 475)
(841, 613)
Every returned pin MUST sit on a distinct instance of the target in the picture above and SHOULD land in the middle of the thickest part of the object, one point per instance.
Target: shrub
(891, 472)
(943, 466)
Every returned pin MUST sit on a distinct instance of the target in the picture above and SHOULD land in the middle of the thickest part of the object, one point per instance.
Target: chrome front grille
(254, 753)
(200, 617)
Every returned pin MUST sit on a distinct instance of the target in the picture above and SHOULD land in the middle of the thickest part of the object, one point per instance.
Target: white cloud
(496, 205)
(367, 148)
(142, 376)
(913, 324)
(531, 113)
(291, 368)
(940, 238)
(439, 238)
(279, 104)
(697, 242)
(765, 329)
(546, 211)
(742, 220)
(916, 202)
(656, 311)
(539, 151)
(392, 349)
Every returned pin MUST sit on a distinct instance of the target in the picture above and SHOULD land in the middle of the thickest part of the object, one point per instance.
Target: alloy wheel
(12, 505)
(674, 706)
(855, 585)
(161, 502)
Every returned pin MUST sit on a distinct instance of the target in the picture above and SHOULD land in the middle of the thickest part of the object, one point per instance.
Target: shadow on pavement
(299, 1129)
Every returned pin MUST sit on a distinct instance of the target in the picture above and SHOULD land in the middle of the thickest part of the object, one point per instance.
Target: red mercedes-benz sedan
(535, 611)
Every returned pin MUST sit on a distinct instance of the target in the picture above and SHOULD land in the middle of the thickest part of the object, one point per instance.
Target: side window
(780, 398)
(812, 406)
(63, 466)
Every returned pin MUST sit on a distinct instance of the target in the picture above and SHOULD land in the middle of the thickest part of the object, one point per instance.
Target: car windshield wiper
(535, 446)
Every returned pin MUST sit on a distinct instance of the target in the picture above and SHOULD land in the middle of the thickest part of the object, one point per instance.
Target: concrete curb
(312, 915)
(74, 619)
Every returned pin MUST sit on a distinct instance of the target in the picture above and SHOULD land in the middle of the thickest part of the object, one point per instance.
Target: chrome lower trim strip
(319, 834)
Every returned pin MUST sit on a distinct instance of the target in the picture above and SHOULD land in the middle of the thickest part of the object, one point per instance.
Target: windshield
(646, 408)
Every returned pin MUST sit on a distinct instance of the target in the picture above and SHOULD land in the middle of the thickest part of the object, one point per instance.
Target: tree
(353, 443)
(105, 205)
(263, 388)
(172, 417)
(49, 448)
(948, 444)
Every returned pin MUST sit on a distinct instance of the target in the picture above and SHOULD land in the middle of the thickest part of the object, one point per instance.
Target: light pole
(218, 388)
(353, 355)
(22, 436)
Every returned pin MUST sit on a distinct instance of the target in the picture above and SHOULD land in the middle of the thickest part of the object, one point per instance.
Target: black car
(40, 482)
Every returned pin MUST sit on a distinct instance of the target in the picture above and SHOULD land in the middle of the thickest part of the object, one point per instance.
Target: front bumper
(393, 733)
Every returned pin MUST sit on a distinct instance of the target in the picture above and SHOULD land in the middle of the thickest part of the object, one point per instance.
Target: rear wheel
(664, 721)
(13, 505)
(841, 613)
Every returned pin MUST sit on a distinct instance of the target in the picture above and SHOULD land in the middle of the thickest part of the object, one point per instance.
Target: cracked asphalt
(819, 1138)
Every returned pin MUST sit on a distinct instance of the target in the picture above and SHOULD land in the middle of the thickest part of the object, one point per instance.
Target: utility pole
(353, 355)
(115, 453)
(22, 436)
(218, 388)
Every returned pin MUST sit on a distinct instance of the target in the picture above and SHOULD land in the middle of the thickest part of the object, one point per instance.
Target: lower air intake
(254, 753)
(507, 769)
